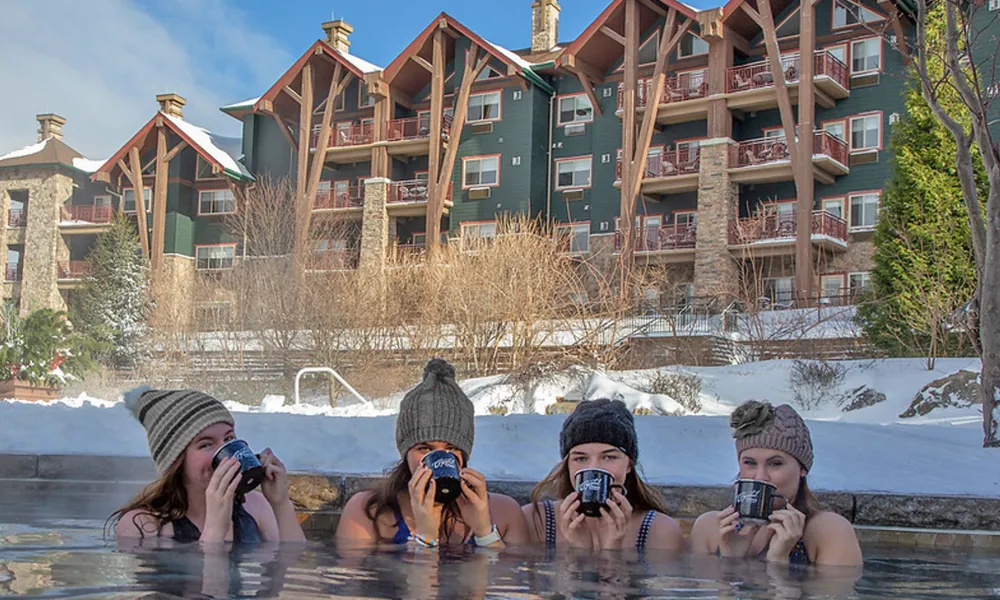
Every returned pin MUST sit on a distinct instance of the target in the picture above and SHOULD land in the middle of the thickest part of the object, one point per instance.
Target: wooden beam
(756, 16)
(432, 226)
(302, 204)
(588, 86)
(611, 33)
(423, 63)
(777, 75)
(159, 201)
(897, 28)
(576, 63)
(805, 183)
(140, 201)
(173, 152)
(283, 127)
(628, 193)
(295, 95)
(653, 6)
(319, 156)
(266, 105)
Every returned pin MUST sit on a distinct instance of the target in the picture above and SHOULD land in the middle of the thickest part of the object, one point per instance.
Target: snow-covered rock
(860, 397)
(958, 390)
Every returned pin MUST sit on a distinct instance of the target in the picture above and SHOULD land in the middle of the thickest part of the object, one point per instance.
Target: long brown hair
(806, 501)
(165, 499)
(557, 485)
(385, 500)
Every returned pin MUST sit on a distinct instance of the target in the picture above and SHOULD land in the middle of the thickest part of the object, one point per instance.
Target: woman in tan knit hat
(773, 445)
(434, 415)
(191, 501)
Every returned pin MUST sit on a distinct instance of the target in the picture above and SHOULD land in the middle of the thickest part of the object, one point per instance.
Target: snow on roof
(225, 150)
(510, 55)
(27, 150)
(249, 103)
(88, 166)
(361, 64)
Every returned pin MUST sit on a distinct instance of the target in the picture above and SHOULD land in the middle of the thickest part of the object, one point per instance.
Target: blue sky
(105, 61)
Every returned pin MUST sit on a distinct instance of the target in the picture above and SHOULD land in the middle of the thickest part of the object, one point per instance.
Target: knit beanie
(761, 425)
(603, 421)
(172, 419)
(436, 410)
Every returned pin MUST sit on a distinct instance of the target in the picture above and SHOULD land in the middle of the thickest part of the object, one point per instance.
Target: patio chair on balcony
(690, 165)
(742, 82)
(667, 168)
(791, 73)
(690, 235)
(786, 228)
(763, 78)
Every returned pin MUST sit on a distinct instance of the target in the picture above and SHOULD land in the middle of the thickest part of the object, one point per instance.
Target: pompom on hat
(757, 424)
(436, 410)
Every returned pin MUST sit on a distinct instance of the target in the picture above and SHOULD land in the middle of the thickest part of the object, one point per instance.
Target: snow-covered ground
(871, 449)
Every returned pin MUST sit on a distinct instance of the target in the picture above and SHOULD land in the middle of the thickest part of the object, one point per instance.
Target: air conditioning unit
(864, 158)
(576, 129)
(994, 5)
(576, 194)
(482, 127)
(864, 79)
(479, 193)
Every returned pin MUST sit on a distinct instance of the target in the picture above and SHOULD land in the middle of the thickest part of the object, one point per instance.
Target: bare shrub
(814, 382)
(685, 388)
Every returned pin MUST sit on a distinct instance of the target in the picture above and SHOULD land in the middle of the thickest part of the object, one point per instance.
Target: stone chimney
(49, 126)
(171, 104)
(544, 25)
(338, 35)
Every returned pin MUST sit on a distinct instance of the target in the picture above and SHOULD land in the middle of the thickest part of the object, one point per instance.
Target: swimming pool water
(59, 558)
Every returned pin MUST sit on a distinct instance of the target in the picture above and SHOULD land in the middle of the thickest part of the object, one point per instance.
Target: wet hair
(384, 499)
(557, 485)
(165, 499)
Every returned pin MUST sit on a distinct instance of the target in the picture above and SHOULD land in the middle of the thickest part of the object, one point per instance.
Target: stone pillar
(338, 35)
(374, 224)
(544, 25)
(41, 242)
(174, 293)
(715, 271)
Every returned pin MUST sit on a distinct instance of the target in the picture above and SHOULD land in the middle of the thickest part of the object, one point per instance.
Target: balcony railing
(352, 197)
(13, 272)
(334, 260)
(73, 269)
(759, 151)
(677, 236)
(773, 227)
(825, 143)
(407, 252)
(90, 213)
(682, 161)
(757, 75)
(413, 190)
(356, 134)
(17, 217)
(686, 86)
(415, 128)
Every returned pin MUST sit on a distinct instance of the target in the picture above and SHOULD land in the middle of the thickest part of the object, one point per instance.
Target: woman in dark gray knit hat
(600, 434)
(191, 501)
(773, 444)
(433, 416)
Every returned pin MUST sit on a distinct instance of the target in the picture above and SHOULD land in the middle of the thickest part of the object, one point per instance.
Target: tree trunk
(989, 327)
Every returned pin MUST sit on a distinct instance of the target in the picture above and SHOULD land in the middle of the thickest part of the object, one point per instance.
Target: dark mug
(594, 487)
(253, 473)
(754, 500)
(444, 468)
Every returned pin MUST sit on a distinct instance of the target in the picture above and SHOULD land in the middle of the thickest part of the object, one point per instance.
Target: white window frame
(572, 163)
(854, 55)
(228, 198)
(102, 200)
(222, 261)
(783, 291)
(201, 162)
(860, 21)
(475, 231)
(839, 202)
(147, 195)
(686, 217)
(865, 202)
(839, 278)
(362, 93)
(993, 5)
(866, 281)
(573, 230)
(480, 159)
(866, 147)
(480, 118)
(680, 46)
(841, 49)
(842, 123)
(576, 98)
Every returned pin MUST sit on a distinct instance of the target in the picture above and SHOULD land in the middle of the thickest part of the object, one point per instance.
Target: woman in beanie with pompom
(190, 501)
(434, 415)
(773, 445)
(600, 434)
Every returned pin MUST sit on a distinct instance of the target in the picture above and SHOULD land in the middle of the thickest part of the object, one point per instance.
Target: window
(203, 169)
(692, 45)
(649, 49)
(836, 128)
(864, 211)
(213, 258)
(831, 286)
(216, 202)
(779, 289)
(685, 148)
(575, 109)
(834, 206)
(573, 173)
(484, 107)
(847, 13)
(102, 200)
(789, 26)
(341, 103)
(866, 133)
(364, 98)
(481, 172)
(686, 218)
(488, 73)
(994, 5)
(128, 199)
(859, 282)
(838, 51)
(575, 238)
(866, 55)
(479, 231)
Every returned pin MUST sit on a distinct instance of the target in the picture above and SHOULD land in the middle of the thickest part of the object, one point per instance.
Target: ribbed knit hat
(761, 425)
(603, 421)
(436, 410)
(173, 418)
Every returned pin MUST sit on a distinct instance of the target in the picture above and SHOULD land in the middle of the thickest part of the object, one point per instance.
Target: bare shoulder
(826, 523)
(705, 532)
(356, 504)
(139, 523)
(354, 524)
(830, 540)
(503, 502)
(665, 533)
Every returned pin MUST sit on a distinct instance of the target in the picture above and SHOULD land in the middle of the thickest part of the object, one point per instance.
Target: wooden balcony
(750, 87)
(71, 273)
(766, 160)
(17, 217)
(350, 201)
(684, 97)
(85, 218)
(411, 136)
(774, 234)
(409, 198)
(661, 245)
(342, 259)
(349, 144)
(669, 172)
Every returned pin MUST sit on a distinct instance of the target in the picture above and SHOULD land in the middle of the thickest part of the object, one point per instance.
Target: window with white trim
(575, 238)
(836, 128)
(128, 199)
(364, 98)
(834, 206)
(779, 289)
(688, 218)
(864, 211)
(214, 258)
(831, 286)
(203, 169)
(650, 49)
(484, 107)
(691, 45)
(575, 109)
(866, 55)
(488, 73)
(840, 52)
(848, 13)
(481, 172)
(866, 132)
(859, 282)
(102, 200)
(216, 202)
(479, 231)
(573, 173)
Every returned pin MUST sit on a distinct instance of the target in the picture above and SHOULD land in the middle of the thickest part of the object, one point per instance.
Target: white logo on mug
(443, 462)
(750, 496)
(594, 485)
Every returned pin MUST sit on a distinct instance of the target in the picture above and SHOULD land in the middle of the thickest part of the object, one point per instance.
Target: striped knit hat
(760, 425)
(172, 419)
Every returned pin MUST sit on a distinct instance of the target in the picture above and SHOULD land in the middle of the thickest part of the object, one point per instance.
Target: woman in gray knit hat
(600, 434)
(434, 415)
(191, 501)
(773, 445)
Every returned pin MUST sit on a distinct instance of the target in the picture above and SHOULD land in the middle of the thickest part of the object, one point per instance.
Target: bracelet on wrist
(490, 538)
(422, 541)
